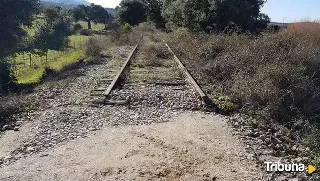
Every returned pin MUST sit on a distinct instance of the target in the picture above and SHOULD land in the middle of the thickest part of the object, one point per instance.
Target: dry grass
(305, 28)
(276, 72)
(275, 78)
(93, 47)
(155, 54)
(133, 36)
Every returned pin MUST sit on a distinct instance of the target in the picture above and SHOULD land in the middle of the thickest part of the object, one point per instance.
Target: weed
(93, 47)
(276, 74)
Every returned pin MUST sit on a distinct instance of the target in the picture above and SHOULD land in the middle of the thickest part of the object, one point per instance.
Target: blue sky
(278, 10)
(292, 10)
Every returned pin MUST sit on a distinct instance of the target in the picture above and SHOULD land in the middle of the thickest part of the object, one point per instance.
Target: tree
(243, 13)
(11, 31)
(102, 16)
(132, 11)
(195, 15)
(53, 32)
(93, 13)
(215, 15)
(154, 12)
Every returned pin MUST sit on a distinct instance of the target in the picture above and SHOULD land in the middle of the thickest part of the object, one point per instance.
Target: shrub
(126, 27)
(132, 37)
(93, 47)
(154, 54)
(278, 71)
(6, 76)
(77, 27)
(86, 32)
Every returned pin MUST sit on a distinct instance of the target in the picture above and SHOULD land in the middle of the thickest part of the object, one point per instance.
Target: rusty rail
(189, 78)
(120, 73)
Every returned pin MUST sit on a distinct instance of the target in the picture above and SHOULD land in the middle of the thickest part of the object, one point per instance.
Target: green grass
(78, 40)
(31, 73)
(34, 75)
(27, 74)
(66, 60)
(95, 27)
(57, 60)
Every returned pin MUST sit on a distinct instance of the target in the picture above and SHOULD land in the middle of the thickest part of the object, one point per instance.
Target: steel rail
(189, 78)
(120, 73)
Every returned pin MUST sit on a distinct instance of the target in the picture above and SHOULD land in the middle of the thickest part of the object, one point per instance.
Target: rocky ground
(190, 146)
(63, 108)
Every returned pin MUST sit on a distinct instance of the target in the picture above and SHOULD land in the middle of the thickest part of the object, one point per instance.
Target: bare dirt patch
(191, 146)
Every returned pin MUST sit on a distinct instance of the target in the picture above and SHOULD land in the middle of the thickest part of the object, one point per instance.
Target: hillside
(65, 2)
(111, 11)
(72, 4)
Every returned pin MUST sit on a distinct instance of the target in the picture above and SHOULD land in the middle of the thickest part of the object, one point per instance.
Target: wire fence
(28, 60)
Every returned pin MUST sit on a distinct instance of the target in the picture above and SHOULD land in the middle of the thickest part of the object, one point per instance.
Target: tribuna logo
(284, 167)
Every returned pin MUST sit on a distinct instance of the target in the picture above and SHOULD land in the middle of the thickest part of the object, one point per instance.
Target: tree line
(197, 15)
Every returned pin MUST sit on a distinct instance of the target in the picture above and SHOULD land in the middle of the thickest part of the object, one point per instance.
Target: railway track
(152, 76)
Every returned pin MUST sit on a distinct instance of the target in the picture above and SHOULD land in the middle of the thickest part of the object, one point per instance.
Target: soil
(190, 146)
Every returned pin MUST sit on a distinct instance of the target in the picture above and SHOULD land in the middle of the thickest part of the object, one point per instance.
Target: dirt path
(192, 146)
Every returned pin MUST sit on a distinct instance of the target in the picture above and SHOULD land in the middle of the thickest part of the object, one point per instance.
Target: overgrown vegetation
(275, 76)
(155, 53)
(93, 47)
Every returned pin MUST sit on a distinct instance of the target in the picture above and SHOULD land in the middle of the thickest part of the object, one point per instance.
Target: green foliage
(94, 13)
(67, 60)
(154, 13)
(138, 11)
(58, 64)
(226, 105)
(216, 15)
(132, 11)
(33, 74)
(126, 27)
(53, 32)
(278, 72)
(11, 32)
(77, 27)
(6, 76)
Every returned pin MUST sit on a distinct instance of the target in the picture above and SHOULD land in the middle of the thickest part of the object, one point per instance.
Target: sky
(278, 10)
(106, 3)
(292, 10)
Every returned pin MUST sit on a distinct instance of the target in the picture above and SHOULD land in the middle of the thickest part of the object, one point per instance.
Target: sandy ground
(192, 146)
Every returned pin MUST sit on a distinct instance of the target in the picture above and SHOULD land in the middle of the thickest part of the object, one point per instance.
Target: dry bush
(133, 36)
(279, 72)
(155, 54)
(93, 47)
(275, 78)
(305, 28)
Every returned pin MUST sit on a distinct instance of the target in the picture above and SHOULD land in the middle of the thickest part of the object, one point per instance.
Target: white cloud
(106, 3)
